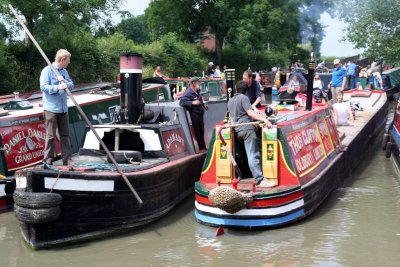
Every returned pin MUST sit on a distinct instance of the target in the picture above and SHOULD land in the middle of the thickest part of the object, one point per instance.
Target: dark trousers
(351, 82)
(53, 122)
(198, 126)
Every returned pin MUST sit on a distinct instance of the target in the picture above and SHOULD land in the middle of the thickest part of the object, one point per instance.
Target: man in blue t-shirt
(351, 75)
(338, 80)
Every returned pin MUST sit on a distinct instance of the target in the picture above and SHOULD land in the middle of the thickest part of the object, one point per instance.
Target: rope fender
(228, 199)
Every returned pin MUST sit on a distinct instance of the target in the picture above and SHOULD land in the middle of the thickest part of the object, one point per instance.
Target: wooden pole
(56, 73)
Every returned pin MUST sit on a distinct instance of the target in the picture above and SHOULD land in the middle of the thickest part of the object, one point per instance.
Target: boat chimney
(310, 82)
(230, 84)
(131, 87)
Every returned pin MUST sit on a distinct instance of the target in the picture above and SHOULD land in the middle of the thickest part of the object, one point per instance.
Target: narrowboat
(157, 161)
(391, 81)
(305, 156)
(22, 126)
(391, 138)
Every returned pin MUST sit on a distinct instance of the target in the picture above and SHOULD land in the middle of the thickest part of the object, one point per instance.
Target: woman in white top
(342, 112)
(317, 82)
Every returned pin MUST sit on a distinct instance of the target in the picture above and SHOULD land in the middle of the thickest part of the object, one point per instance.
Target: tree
(135, 28)
(374, 27)
(44, 17)
(194, 19)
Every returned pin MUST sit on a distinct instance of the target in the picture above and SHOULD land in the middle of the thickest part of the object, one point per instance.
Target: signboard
(23, 145)
(174, 141)
(306, 147)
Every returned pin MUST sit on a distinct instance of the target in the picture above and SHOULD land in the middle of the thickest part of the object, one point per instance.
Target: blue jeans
(252, 146)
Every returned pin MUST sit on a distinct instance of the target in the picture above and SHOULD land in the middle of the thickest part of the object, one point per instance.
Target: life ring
(388, 151)
(26, 215)
(126, 156)
(385, 140)
(33, 200)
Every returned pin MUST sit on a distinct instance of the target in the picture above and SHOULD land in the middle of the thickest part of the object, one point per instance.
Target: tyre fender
(45, 215)
(34, 200)
(388, 151)
(385, 140)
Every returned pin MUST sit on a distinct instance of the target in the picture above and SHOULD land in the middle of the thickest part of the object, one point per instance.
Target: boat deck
(99, 163)
(370, 106)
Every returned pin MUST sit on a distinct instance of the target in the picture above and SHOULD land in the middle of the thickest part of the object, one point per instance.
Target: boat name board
(23, 144)
(174, 141)
(20, 121)
(310, 145)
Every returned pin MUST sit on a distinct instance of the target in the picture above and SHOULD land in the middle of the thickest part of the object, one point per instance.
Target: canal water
(358, 225)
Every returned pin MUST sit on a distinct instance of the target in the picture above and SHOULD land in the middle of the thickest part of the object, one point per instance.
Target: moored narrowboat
(304, 155)
(157, 163)
(391, 138)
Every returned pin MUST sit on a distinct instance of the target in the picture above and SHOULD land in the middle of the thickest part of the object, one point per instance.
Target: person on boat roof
(55, 107)
(342, 112)
(253, 90)
(193, 102)
(241, 111)
(338, 81)
(157, 73)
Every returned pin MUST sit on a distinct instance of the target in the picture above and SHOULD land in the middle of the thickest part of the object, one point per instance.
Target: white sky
(331, 46)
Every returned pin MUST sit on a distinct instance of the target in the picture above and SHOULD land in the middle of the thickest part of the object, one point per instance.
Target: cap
(194, 79)
(210, 63)
(336, 61)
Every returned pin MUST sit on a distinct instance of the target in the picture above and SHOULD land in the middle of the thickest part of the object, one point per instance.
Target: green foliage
(7, 64)
(136, 29)
(374, 27)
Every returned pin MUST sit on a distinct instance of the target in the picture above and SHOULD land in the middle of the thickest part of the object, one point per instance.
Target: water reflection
(357, 225)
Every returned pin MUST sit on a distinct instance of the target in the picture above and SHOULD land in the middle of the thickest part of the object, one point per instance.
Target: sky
(331, 46)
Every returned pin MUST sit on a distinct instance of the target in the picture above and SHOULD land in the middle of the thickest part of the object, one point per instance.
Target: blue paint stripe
(249, 222)
(396, 136)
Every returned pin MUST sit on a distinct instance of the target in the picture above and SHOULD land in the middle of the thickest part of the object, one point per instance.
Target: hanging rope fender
(228, 199)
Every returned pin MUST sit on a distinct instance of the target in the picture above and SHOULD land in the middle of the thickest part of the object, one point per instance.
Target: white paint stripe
(78, 184)
(20, 182)
(253, 212)
(130, 71)
(2, 190)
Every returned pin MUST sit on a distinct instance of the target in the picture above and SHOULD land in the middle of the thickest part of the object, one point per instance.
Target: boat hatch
(19, 104)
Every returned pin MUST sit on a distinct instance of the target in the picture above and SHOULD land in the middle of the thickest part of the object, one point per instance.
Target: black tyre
(26, 215)
(126, 156)
(385, 139)
(388, 151)
(36, 200)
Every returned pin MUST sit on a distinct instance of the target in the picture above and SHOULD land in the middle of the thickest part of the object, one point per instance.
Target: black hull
(392, 91)
(88, 215)
(7, 186)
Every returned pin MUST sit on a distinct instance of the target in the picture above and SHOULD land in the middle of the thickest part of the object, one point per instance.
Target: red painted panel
(272, 202)
(174, 141)
(24, 144)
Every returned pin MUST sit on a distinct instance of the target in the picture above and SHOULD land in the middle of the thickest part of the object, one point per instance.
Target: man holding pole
(55, 107)
(242, 112)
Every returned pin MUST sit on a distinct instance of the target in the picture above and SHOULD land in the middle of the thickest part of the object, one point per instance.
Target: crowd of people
(354, 76)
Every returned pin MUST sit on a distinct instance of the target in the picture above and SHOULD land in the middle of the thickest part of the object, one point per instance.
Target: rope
(228, 199)
(130, 160)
